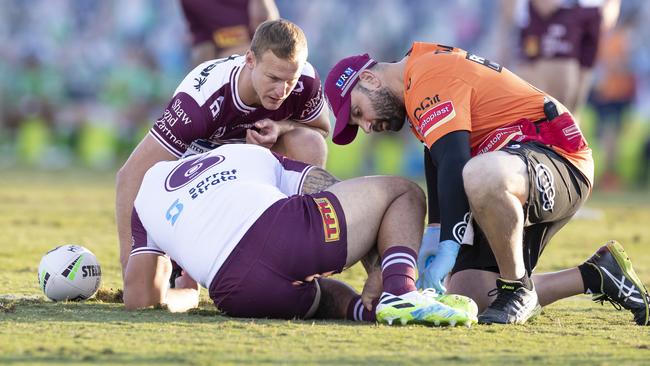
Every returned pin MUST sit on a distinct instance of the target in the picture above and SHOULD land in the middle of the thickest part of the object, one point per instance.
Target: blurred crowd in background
(81, 81)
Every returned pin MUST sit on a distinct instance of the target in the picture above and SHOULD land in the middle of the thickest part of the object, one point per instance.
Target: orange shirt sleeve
(438, 106)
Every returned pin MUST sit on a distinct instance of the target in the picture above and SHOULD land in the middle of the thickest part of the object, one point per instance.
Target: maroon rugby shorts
(295, 238)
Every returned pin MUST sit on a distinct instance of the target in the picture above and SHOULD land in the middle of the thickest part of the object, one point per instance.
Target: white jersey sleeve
(292, 175)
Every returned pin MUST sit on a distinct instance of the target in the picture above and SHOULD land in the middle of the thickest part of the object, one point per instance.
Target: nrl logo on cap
(345, 76)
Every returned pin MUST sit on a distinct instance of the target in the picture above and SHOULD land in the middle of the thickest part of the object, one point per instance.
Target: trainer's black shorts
(557, 190)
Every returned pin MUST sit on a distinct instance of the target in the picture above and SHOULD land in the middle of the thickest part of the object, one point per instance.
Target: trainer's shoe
(514, 304)
(418, 308)
(619, 284)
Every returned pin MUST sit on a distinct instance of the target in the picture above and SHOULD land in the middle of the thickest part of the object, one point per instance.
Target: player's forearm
(127, 185)
(181, 300)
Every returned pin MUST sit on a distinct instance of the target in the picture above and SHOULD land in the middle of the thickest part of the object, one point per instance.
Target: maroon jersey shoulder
(207, 105)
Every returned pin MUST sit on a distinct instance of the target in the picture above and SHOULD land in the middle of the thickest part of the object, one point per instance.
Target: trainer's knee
(487, 177)
(303, 144)
(479, 178)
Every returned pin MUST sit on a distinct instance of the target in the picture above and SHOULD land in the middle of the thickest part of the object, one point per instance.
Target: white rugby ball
(69, 272)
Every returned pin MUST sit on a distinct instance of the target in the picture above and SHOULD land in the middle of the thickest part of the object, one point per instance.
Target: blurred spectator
(612, 95)
(558, 42)
(76, 72)
(221, 28)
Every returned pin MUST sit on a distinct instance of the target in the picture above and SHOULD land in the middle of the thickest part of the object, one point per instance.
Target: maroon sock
(398, 270)
(358, 313)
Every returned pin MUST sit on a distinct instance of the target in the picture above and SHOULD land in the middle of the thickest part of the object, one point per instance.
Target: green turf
(41, 210)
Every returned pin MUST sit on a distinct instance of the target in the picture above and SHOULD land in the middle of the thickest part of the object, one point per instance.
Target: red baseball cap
(338, 85)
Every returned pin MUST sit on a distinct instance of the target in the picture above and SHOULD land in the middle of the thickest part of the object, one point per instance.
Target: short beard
(388, 107)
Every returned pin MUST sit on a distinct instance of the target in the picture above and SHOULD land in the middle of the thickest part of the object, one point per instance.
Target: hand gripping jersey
(198, 208)
(207, 105)
(448, 89)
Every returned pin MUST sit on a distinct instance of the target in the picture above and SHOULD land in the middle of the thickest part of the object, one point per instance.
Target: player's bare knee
(408, 189)
(416, 194)
(303, 144)
(317, 147)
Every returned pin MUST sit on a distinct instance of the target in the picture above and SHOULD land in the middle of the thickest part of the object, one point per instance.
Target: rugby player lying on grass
(257, 231)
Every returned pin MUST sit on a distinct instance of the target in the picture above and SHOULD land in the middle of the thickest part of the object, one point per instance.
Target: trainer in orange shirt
(494, 144)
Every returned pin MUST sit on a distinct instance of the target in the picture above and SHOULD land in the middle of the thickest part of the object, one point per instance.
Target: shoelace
(503, 298)
(603, 297)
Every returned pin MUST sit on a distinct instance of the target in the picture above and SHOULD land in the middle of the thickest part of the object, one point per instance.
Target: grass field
(39, 211)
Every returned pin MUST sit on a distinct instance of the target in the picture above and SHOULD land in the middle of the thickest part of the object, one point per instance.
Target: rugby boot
(419, 308)
(458, 302)
(514, 304)
(619, 284)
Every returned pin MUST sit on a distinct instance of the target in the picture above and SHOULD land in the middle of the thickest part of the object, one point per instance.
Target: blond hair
(285, 39)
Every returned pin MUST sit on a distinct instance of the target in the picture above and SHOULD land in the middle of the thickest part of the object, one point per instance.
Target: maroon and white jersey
(198, 208)
(207, 105)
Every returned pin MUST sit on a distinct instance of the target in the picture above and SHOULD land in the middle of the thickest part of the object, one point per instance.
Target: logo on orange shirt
(436, 117)
(425, 104)
(331, 227)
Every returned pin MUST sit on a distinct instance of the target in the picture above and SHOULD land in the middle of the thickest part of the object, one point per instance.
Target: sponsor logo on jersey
(174, 211)
(215, 107)
(300, 86)
(190, 169)
(165, 135)
(174, 113)
(203, 75)
(312, 104)
(331, 227)
(212, 180)
(545, 184)
(218, 133)
(436, 116)
(199, 83)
